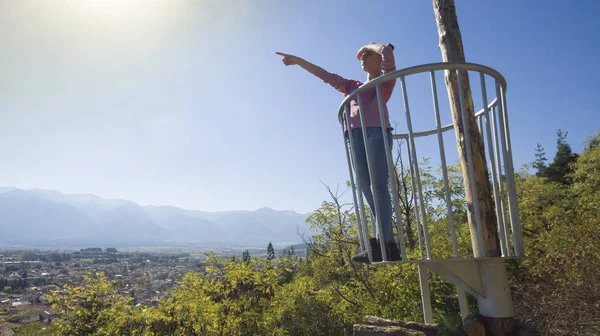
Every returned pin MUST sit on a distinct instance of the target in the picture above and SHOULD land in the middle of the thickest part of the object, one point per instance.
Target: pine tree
(270, 252)
(246, 256)
(593, 142)
(560, 168)
(540, 161)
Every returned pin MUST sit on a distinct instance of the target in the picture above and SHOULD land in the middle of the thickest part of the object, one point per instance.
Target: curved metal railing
(492, 121)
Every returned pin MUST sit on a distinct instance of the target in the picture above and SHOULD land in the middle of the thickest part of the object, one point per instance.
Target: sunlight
(113, 7)
(122, 11)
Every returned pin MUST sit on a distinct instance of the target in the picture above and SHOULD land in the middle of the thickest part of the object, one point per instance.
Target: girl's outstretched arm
(341, 84)
(295, 60)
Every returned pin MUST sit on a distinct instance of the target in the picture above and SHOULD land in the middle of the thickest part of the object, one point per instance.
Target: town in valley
(146, 276)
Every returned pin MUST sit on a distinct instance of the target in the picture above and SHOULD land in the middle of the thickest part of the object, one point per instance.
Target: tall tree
(246, 256)
(561, 167)
(593, 142)
(270, 252)
(451, 46)
(497, 310)
(540, 161)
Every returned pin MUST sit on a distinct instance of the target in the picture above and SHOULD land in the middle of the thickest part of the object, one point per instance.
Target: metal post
(414, 196)
(392, 173)
(425, 296)
(369, 165)
(444, 168)
(502, 220)
(373, 223)
(478, 252)
(512, 194)
(501, 235)
(511, 205)
(497, 302)
(363, 228)
(463, 303)
(416, 167)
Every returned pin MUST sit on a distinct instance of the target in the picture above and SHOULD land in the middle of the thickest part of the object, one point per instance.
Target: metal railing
(493, 125)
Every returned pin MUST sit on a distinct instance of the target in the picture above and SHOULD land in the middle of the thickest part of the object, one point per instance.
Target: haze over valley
(49, 219)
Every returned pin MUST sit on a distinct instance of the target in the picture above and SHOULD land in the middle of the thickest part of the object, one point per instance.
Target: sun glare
(124, 17)
(121, 9)
(112, 6)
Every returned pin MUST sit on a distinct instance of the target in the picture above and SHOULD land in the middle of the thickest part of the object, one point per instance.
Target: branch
(363, 281)
(354, 303)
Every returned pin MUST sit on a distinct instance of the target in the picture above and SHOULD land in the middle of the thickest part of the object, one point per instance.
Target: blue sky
(185, 103)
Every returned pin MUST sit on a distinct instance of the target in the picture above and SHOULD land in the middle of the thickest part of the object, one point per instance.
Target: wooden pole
(452, 51)
(451, 47)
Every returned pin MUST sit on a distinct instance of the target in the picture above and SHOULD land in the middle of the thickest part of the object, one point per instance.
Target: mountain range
(48, 218)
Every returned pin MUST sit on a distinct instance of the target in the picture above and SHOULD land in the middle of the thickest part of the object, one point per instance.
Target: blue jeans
(379, 167)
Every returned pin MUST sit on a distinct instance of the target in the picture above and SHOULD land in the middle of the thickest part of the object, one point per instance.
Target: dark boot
(363, 257)
(393, 253)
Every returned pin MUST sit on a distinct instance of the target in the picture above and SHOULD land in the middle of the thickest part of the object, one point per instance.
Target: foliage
(36, 329)
(554, 288)
(229, 299)
(301, 308)
(95, 308)
(560, 169)
(556, 285)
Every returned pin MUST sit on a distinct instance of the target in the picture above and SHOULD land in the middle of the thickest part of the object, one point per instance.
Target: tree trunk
(452, 51)
(451, 47)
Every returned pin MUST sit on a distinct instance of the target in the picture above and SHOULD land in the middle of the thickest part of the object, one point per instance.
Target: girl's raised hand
(371, 47)
(361, 52)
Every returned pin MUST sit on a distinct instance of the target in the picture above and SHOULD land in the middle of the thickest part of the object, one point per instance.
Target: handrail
(421, 69)
(448, 127)
(498, 149)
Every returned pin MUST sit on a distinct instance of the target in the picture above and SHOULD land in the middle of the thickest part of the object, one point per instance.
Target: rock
(523, 329)
(7, 332)
(370, 330)
(474, 325)
(375, 326)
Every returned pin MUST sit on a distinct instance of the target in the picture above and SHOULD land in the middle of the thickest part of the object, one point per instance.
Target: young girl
(376, 60)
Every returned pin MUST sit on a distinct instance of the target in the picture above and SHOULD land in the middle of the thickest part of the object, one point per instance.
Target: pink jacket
(368, 97)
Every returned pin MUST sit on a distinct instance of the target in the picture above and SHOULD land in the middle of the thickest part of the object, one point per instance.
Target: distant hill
(48, 218)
